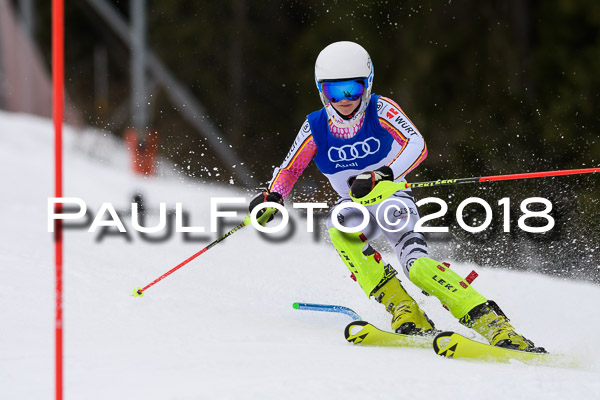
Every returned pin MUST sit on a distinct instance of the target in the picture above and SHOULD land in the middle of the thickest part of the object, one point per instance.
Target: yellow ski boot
(407, 316)
(378, 279)
(468, 305)
(490, 322)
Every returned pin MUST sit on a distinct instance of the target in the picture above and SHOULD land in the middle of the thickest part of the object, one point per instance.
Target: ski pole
(385, 189)
(138, 292)
(495, 178)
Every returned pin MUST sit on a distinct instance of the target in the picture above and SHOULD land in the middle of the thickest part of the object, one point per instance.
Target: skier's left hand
(265, 197)
(365, 182)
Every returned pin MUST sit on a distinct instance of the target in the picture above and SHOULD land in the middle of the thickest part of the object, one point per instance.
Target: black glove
(365, 182)
(263, 198)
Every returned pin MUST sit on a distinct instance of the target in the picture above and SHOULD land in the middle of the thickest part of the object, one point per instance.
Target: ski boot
(378, 279)
(490, 322)
(468, 305)
(407, 317)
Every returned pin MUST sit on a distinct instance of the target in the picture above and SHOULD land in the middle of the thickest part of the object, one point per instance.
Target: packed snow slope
(223, 326)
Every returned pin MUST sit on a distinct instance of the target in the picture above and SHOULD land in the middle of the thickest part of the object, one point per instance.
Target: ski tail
(453, 345)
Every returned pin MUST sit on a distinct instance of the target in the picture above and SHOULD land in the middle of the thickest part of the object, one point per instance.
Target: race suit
(383, 136)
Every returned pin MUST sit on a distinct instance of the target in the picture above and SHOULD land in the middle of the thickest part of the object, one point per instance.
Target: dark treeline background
(495, 87)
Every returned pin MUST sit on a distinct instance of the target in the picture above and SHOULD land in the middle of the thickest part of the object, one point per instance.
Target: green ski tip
(296, 306)
(137, 292)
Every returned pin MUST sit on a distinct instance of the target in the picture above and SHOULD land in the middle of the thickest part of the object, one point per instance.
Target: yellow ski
(453, 345)
(363, 333)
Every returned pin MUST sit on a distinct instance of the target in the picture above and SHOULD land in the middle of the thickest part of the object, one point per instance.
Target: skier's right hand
(265, 197)
(363, 183)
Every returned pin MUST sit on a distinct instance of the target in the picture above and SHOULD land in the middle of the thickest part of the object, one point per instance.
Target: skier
(357, 140)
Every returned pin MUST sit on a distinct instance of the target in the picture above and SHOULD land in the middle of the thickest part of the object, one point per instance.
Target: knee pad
(360, 258)
(440, 281)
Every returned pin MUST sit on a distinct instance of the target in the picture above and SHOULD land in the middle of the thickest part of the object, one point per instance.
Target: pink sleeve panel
(295, 163)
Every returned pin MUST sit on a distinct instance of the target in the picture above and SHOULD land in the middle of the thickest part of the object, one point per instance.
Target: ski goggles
(335, 91)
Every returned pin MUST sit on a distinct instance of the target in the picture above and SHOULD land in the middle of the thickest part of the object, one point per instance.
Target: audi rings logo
(354, 151)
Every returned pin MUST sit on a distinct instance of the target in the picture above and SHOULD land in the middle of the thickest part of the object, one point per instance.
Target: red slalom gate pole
(58, 110)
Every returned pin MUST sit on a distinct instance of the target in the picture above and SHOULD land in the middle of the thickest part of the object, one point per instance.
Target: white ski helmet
(344, 60)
